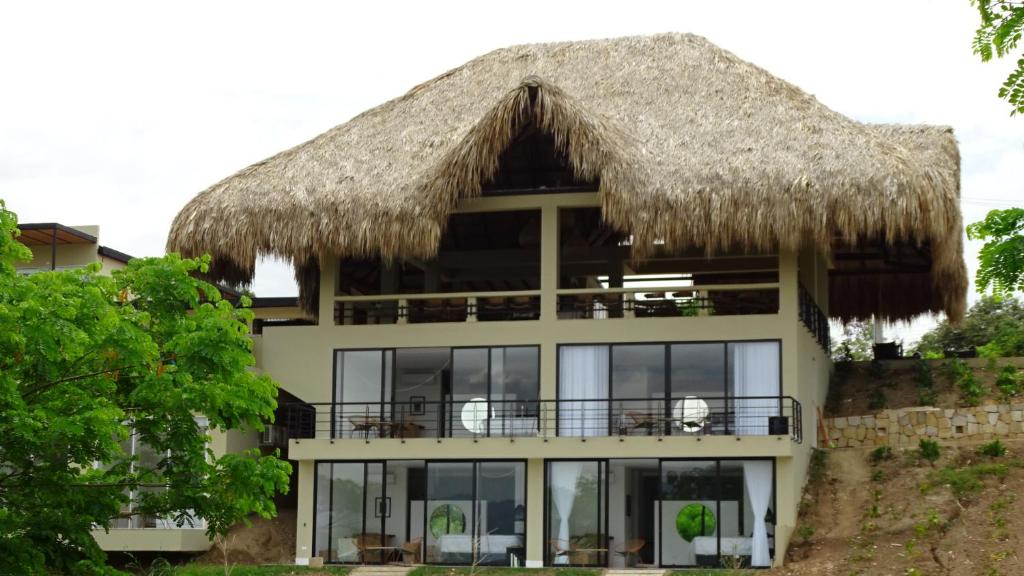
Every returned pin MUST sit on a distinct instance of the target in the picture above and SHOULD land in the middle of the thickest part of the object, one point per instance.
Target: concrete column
(534, 513)
(548, 261)
(548, 312)
(305, 522)
(789, 316)
(328, 288)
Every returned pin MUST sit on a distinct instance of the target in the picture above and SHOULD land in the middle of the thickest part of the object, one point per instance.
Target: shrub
(923, 374)
(877, 475)
(929, 450)
(881, 453)
(993, 449)
(816, 470)
(970, 390)
(927, 397)
(1008, 381)
(877, 370)
(877, 399)
(956, 368)
(804, 532)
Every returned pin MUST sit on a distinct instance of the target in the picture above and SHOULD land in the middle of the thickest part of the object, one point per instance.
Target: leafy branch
(996, 37)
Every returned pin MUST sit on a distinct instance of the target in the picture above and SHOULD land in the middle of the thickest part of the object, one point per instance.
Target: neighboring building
(59, 247)
(571, 301)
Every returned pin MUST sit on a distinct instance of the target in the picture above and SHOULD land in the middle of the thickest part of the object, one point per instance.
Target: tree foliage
(855, 344)
(1002, 257)
(994, 325)
(997, 36)
(86, 360)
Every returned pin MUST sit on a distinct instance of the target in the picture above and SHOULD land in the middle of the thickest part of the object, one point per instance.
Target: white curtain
(755, 372)
(564, 476)
(583, 391)
(757, 477)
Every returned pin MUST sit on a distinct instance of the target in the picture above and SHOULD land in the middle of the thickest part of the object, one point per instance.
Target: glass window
(711, 510)
(340, 497)
(754, 385)
(421, 377)
(577, 518)
(638, 388)
(367, 511)
(470, 385)
(689, 513)
(501, 511)
(430, 391)
(449, 509)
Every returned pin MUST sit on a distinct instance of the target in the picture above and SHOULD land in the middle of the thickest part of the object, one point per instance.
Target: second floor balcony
(688, 416)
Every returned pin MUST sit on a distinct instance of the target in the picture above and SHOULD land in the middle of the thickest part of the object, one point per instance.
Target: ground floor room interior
(623, 512)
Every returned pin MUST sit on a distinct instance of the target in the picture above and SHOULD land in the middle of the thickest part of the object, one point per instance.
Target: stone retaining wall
(904, 427)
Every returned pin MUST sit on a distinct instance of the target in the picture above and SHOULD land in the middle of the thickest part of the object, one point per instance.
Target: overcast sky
(116, 114)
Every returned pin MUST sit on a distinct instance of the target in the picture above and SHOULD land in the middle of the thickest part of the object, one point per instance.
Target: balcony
(651, 301)
(688, 416)
(431, 308)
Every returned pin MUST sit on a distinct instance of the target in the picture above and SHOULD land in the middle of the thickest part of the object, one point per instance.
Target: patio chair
(630, 548)
(558, 548)
(641, 421)
(411, 551)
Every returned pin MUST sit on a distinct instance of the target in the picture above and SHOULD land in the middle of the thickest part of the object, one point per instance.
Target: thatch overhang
(688, 144)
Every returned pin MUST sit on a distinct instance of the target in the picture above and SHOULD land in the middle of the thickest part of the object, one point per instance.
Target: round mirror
(695, 520)
(690, 414)
(447, 519)
(474, 415)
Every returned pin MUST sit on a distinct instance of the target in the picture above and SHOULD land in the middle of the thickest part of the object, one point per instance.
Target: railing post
(471, 309)
(402, 312)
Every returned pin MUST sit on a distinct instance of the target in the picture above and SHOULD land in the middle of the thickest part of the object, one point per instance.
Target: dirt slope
(903, 516)
(265, 542)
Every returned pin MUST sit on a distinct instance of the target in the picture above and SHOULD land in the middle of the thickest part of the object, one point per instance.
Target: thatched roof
(689, 144)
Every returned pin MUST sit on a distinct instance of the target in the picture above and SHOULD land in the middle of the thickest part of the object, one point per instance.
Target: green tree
(86, 360)
(855, 344)
(1002, 257)
(994, 325)
(997, 36)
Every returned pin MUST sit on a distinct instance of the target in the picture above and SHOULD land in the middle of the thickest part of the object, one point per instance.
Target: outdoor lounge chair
(631, 548)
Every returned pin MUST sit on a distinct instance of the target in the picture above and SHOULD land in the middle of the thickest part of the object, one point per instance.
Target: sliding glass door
(638, 388)
(577, 513)
(671, 389)
(475, 512)
(437, 392)
(753, 383)
(716, 509)
(369, 512)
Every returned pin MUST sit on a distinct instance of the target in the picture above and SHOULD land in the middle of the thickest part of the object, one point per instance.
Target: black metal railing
(669, 304)
(480, 418)
(261, 324)
(426, 311)
(815, 320)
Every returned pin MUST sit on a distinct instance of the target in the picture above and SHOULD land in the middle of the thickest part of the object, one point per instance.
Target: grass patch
(967, 481)
(496, 570)
(240, 570)
(819, 463)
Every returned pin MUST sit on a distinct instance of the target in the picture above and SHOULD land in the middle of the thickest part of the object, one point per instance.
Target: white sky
(117, 113)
